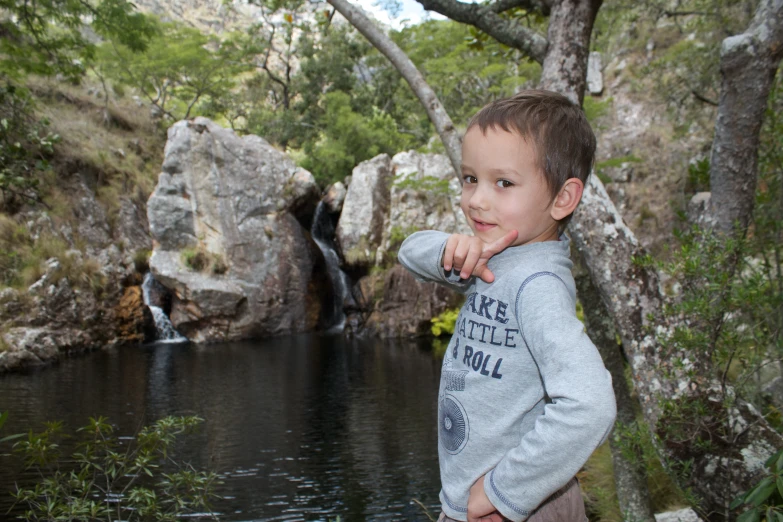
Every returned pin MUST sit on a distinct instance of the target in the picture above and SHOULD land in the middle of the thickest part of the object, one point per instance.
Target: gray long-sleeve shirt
(524, 395)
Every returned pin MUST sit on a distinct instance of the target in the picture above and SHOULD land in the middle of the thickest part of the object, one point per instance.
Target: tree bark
(486, 18)
(740, 438)
(748, 63)
(630, 476)
(565, 65)
(435, 110)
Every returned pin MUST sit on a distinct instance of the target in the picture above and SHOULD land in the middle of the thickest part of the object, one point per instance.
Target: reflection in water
(300, 428)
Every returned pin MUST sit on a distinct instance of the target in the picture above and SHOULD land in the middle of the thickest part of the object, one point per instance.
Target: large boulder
(419, 192)
(364, 214)
(226, 240)
(425, 195)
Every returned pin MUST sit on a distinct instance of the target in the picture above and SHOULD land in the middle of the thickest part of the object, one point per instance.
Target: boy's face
(503, 189)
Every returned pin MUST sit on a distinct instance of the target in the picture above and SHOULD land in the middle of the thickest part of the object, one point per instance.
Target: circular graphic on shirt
(453, 427)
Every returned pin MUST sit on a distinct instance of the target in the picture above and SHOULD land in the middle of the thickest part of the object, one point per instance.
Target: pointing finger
(501, 244)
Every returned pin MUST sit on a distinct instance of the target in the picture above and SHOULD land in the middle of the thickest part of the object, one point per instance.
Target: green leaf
(774, 459)
(761, 492)
(737, 502)
(780, 486)
(749, 516)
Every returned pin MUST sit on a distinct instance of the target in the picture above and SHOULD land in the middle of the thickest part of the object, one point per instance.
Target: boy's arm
(582, 408)
(422, 254)
(450, 259)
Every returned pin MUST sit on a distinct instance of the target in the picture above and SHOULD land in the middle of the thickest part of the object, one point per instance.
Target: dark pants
(564, 505)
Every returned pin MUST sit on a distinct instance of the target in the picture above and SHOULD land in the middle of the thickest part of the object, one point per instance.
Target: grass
(200, 259)
(117, 149)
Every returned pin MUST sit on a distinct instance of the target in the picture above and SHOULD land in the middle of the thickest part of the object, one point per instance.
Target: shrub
(202, 260)
(445, 322)
(25, 146)
(112, 479)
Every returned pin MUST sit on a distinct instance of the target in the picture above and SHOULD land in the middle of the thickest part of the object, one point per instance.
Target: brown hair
(557, 127)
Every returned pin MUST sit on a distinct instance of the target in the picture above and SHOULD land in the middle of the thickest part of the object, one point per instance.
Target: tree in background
(179, 69)
(48, 38)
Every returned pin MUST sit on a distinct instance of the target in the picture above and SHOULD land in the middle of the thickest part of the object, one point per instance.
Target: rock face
(425, 195)
(228, 204)
(595, 78)
(365, 210)
(81, 302)
(387, 200)
(407, 306)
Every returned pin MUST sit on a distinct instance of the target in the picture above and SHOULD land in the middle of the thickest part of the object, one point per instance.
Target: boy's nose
(478, 199)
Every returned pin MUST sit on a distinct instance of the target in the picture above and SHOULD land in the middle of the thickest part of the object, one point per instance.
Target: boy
(524, 396)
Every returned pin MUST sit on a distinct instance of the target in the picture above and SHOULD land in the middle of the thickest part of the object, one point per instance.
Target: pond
(306, 427)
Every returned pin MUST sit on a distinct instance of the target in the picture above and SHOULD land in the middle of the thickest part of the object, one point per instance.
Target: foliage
(108, 477)
(23, 260)
(464, 71)
(25, 147)
(48, 37)
(681, 42)
(597, 478)
(727, 293)
(445, 322)
(3, 420)
(601, 166)
(732, 289)
(730, 301)
(595, 109)
(348, 138)
(180, 69)
(698, 176)
(764, 502)
(429, 185)
(202, 260)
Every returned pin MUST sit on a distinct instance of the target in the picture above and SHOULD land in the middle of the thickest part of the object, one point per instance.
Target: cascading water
(322, 231)
(164, 330)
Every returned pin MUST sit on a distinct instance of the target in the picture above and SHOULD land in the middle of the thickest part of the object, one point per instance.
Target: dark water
(300, 428)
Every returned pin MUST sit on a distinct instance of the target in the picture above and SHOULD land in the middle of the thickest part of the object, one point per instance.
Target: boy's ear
(567, 199)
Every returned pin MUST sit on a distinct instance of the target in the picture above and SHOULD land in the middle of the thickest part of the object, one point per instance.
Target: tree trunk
(565, 64)
(748, 63)
(437, 114)
(726, 447)
(630, 476)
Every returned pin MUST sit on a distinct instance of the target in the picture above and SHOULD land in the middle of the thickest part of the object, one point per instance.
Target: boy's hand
(480, 509)
(469, 254)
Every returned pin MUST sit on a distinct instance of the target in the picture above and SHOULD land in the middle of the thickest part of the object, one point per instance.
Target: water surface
(300, 428)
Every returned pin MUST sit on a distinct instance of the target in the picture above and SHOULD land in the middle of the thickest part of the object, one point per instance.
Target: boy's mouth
(482, 226)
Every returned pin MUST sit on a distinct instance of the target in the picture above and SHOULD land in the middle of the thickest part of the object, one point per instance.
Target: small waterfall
(322, 231)
(165, 332)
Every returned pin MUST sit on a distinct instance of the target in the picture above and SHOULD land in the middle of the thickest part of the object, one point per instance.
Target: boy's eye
(469, 179)
(503, 183)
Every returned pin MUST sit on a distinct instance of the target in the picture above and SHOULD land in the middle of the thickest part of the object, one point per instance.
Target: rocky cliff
(227, 241)
(85, 298)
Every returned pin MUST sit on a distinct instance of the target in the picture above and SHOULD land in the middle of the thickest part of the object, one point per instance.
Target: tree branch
(539, 6)
(485, 18)
(703, 98)
(435, 110)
